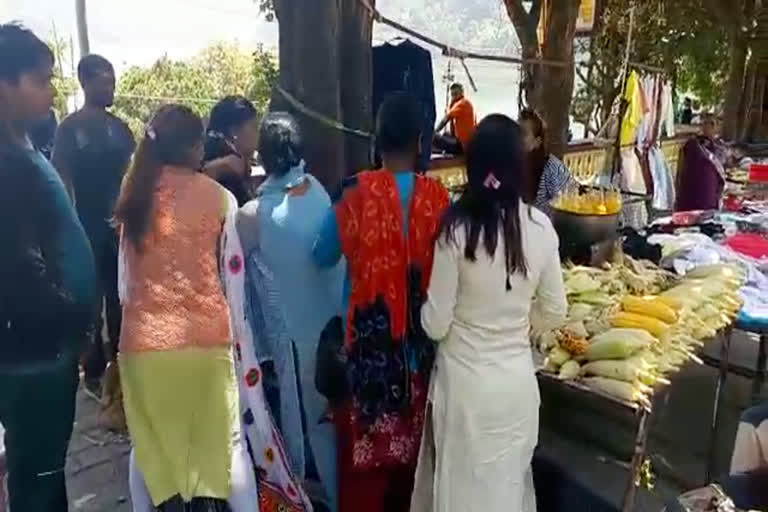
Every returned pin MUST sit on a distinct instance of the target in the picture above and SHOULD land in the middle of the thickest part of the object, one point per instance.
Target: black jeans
(96, 356)
(37, 410)
(447, 144)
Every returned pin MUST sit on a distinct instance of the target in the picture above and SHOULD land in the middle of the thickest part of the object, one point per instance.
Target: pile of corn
(637, 343)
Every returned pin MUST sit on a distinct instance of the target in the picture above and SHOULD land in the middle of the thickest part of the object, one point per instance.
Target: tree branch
(587, 82)
(522, 22)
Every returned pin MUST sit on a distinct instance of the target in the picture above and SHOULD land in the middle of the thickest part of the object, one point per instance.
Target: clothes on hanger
(400, 65)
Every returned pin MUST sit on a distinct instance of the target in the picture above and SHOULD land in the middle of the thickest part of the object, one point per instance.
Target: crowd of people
(278, 349)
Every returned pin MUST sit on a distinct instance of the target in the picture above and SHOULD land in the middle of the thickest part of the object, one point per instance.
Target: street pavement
(97, 465)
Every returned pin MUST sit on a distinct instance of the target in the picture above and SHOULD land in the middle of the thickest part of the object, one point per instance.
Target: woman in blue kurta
(290, 300)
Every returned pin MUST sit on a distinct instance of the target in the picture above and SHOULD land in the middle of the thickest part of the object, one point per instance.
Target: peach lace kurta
(174, 296)
(175, 346)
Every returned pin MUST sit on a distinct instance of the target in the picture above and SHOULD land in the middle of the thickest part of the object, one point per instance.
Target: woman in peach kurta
(192, 395)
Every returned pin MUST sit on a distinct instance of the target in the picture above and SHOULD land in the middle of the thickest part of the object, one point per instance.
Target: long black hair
(227, 115)
(171, 134)
(491, 202)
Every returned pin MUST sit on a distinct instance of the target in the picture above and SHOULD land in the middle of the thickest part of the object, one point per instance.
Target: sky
(140, 31)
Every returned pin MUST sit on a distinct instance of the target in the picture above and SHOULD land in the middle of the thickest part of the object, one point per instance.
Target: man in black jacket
(47, 282)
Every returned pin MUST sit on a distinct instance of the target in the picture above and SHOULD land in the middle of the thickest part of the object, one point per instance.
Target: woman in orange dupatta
(385, 224)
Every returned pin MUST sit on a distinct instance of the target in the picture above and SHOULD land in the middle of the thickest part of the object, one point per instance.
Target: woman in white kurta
(496, 265)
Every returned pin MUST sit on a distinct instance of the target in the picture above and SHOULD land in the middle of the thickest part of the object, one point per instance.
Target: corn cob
(633, 320)
(620, 348)
(569, 370)
(671, 302)
(631, 392)
(649, 306)
(627, 370)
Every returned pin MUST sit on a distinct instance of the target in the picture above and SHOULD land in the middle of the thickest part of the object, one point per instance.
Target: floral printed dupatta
(390, 356)
(279, 489)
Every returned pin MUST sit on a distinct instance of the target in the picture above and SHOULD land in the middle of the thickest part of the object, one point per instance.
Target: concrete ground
(97, 465)
(580, 439)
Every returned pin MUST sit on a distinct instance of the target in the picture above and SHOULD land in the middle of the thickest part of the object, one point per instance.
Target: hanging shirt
(407, 67)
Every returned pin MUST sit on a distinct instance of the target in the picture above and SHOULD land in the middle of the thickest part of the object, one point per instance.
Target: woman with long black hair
(231, 139)
(496, 265)
(194, 401)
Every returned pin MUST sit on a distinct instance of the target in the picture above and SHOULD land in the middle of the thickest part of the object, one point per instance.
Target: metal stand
(638, 456)
(759, 380)
(725, 350)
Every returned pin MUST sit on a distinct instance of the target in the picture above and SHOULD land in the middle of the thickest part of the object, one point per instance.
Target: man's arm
(63, 155)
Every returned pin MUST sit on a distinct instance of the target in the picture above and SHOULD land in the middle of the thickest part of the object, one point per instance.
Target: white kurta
(483, 418)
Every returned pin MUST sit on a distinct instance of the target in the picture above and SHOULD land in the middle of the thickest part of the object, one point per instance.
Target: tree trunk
(309, 70)
(735, 85)
(553, 85)
(356, 81)
(747, 97)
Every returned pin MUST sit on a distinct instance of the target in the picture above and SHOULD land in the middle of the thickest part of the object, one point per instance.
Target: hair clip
(491, 181)
(151, 135)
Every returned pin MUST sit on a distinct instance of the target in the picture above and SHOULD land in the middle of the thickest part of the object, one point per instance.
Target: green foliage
(217, 71)
(267, 7)
(64, 84)
(683, 37)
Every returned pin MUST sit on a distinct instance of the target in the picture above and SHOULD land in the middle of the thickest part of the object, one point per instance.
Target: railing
(585, 160)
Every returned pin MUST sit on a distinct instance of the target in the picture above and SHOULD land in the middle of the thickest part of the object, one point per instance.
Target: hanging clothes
(403, 66)
(633, 116)
(658, 179)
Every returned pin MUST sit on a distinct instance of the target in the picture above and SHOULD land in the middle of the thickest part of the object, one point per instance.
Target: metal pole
(82, 28)
(638, 455)
(714, 428)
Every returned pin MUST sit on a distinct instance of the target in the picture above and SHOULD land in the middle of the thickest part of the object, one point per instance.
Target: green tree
(681, 37)
(217, 71)
(64, 83)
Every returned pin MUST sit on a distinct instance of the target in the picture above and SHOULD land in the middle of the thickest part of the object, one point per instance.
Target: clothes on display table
(687, 251)
(402, 66)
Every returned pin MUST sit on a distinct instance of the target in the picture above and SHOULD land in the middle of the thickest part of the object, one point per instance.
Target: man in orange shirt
(461, 115)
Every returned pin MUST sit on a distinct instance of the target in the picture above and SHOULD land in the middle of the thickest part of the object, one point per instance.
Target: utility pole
(82, 28)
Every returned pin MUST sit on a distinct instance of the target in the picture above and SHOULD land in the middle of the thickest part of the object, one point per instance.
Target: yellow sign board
(586, 19)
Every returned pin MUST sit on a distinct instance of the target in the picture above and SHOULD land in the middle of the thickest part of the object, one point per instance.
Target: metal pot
(579, 229)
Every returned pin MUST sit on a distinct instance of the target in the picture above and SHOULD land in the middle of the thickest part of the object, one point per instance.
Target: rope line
(317, 116)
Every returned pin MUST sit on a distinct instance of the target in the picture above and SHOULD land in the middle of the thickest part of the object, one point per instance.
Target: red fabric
(370, 229)
(371, 233)
(755, 246)
(373, 490)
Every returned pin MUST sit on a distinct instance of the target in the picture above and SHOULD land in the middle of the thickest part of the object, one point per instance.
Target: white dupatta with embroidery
(279, 489)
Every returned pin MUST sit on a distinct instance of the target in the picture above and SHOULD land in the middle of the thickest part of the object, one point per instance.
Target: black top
(96, 148)
(46, 267)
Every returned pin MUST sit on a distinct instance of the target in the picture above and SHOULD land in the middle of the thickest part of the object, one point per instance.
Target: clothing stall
(643, 169)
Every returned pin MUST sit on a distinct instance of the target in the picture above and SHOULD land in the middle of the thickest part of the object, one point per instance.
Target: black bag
(331, 362)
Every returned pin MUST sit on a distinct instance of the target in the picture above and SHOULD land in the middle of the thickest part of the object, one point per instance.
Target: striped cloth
(554, 179)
